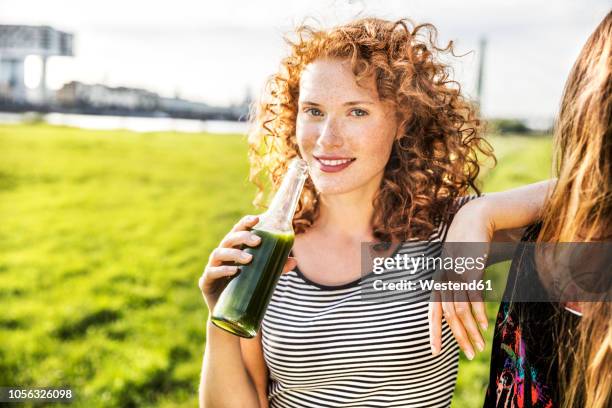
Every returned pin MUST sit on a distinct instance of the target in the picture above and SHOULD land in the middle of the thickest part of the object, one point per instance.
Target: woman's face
(343, 130)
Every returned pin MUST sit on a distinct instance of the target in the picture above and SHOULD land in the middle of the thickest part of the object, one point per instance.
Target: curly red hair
(437, 158)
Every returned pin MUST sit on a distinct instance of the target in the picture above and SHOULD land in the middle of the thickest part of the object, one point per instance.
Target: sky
(216, 51)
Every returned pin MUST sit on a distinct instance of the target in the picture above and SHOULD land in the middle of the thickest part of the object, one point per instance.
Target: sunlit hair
(580, 210)
(433, 162)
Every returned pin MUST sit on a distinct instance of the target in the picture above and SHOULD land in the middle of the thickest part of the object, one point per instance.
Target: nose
(330, 135)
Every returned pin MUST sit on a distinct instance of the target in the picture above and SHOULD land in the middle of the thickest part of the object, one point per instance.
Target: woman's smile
(333, 164)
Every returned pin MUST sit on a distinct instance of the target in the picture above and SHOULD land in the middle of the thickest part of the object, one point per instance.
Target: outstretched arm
(500, 216)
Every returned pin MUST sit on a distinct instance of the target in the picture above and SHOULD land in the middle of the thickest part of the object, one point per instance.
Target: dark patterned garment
(524, 367)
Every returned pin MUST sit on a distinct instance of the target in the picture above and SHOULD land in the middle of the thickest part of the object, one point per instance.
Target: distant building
(171, 105)
(100, 99)
(79, 95)
(19, 41)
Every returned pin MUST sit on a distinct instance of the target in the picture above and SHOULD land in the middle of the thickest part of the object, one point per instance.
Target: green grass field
(103, 235)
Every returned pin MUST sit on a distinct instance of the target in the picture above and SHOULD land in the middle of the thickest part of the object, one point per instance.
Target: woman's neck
(348, 215)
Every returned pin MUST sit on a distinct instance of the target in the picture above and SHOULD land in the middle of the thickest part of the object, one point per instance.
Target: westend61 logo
(413, 264)
(430, 284)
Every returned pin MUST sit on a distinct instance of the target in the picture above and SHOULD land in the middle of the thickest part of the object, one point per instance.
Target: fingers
(435, 324)
(456, 326)
(464, 313)
(245, 223)
(214, 273)
(235, 238)
(290, 264)
(478, 307)
(220, 255)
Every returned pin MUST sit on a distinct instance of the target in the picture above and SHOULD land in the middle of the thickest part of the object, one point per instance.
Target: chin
(334, 190)
(332, 187)
(346, 181)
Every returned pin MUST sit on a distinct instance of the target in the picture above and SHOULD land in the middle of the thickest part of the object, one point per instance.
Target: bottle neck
(279, 216)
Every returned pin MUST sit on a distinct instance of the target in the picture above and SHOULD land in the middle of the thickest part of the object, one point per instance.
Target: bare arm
(234, 374)
(494, 217)
(500, 216)
(225, 380)
(507, 215)
(252, 355)
(509, 212)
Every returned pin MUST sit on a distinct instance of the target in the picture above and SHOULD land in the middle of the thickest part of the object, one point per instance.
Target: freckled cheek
(306, 136)
(369, 140)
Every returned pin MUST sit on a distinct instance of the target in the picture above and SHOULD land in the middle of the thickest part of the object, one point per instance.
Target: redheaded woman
(393, 149)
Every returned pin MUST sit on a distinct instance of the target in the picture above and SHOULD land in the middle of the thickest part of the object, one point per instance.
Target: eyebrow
(351, 103)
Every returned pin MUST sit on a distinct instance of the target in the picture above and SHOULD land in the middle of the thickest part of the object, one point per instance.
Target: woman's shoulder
(457, 203)
(463, 200)
(446, 219)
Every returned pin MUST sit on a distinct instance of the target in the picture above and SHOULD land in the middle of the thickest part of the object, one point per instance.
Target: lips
(333, 164)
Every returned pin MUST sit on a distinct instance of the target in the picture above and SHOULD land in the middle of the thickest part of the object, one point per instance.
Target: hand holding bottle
(219, 269)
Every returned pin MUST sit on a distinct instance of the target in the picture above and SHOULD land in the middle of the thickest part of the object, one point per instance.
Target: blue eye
(313, 111)
(359, 112)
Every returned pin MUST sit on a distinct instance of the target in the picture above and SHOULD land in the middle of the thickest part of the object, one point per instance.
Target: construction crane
(19, 41)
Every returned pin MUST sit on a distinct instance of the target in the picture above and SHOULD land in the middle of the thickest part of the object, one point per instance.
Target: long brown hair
(436, 159)
(580, 209)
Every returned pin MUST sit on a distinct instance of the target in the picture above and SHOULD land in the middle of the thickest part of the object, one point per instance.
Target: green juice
(242, 305)
(244, 300)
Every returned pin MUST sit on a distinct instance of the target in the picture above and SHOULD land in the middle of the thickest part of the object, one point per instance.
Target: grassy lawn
(103, 237)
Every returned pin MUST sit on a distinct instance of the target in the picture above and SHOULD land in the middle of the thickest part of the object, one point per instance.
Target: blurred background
(123, 163)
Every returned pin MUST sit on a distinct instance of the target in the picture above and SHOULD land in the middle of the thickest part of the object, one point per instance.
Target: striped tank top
(325, 346)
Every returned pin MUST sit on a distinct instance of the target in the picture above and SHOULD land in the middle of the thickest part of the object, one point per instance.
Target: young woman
(567, 359)
(558, 353)
(392, 149)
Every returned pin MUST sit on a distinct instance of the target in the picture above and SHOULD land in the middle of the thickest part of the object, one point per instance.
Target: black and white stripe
(327, 347)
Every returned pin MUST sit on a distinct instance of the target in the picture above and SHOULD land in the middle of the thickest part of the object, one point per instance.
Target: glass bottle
(243, 303)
